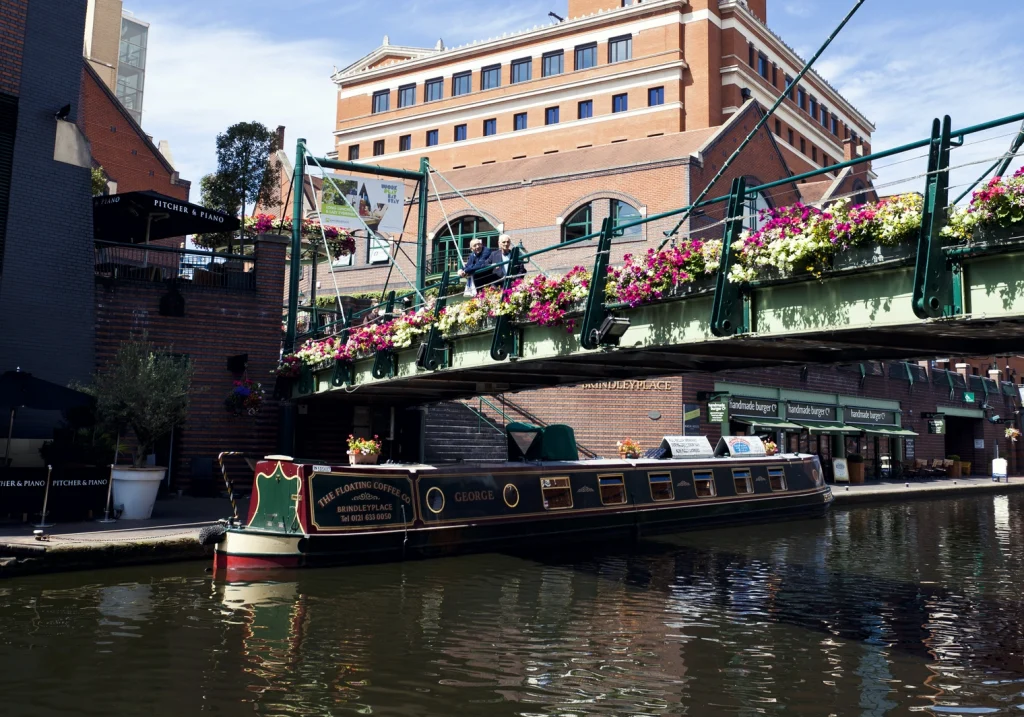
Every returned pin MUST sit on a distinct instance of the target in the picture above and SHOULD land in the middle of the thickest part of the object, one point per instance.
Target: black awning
(127, 217)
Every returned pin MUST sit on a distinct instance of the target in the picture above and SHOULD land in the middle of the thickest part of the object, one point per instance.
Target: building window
(814, 108)
(824, 116)
(826, 161)
(655, 96)
(551, 115)
(613, 490)
(378, 148)
(433, 90)
(448, 246)
(814, 153)
(431, 137)
(578, 224)
(621, 213)
(801, 98)
(490, 77)
(522, 70)
(778, 128)
(835, 125)
(405, 143)
(381, 101)
(585, 109)
(803, 146)
(460, 132)
(586, 56)
(490, 127)
(755, 206)
(620, 49)
(519, 121)
(407, 96)
(552, 63)
(462, 84)
(762, 65)
(791, 142)
(353, 153)
(789, 87)
(775, 75)
(620, 103)
(750, 54)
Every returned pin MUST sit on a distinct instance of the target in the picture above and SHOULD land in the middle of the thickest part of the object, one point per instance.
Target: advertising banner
(691, 419)
(377, 204)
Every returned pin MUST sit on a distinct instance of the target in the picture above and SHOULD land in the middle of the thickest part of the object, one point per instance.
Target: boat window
(613, 490)
(557, 493)
(777, 477)
(704, 484)
(435, 500)
(741, 479)
(511, 495)
(661, 486)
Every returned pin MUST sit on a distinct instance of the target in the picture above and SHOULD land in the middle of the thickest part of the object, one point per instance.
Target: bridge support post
(504, 342)
(432, 355)
(596, 312)
(384, 362)
(938, 286)
(730, 312)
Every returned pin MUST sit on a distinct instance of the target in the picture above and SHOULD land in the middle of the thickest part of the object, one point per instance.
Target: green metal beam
(1000, 167)
(365, 168)
(421, 226)
(729, 314)
(596, 310)
(295, 269)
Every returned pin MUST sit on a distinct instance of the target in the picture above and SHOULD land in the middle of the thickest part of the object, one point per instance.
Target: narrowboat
(306, 513)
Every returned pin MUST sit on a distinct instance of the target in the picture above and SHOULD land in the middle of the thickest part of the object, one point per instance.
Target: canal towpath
(172, 534)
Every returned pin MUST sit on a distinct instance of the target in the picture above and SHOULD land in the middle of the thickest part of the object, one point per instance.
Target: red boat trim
(230, 562)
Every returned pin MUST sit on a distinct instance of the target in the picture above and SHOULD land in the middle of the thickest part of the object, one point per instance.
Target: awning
(829, 427)
(772, 424)
(140, 216)
(891, 431)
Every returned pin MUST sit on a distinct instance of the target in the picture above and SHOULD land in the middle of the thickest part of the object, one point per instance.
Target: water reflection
(878, 611)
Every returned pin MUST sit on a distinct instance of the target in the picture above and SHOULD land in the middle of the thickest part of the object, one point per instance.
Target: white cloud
(799, 8)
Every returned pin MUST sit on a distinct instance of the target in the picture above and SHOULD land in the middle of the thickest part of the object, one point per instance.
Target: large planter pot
(856, 473)
(363, 459)
(955, 469)
(135, 489)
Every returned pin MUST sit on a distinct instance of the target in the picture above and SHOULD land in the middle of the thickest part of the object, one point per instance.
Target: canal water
(890, 610)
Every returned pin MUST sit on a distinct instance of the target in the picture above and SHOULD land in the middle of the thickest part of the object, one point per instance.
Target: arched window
(755, 204)
(861, 196)
(578, 224)
(449, 244)
(622, 213)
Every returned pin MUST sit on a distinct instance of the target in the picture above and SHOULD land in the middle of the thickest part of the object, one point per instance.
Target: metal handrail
(481, 417)
(174, 250)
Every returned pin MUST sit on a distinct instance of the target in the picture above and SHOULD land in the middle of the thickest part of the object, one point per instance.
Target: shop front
(821, 432)
(879, 441)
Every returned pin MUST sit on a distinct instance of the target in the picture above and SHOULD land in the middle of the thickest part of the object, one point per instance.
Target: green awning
(891, 431)
(772, 424)
(829, 427)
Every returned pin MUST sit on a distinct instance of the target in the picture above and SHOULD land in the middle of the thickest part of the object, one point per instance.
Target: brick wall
(218, 323)
(13, 14)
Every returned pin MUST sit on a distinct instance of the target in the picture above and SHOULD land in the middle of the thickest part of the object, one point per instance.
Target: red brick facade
(13, 14)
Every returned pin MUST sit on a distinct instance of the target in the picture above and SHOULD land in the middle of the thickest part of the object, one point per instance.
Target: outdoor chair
(939, 467)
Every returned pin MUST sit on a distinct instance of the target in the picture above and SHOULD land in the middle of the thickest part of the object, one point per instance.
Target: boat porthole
(435, 500)
(511, 495)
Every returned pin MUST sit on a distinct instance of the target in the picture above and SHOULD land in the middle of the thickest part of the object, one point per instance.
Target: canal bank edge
(921, 490)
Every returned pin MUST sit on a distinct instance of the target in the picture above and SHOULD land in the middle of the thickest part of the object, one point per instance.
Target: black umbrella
(19, 389)
(139, 217)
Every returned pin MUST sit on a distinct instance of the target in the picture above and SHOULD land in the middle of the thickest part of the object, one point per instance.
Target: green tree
(99, 181)
(243, 163)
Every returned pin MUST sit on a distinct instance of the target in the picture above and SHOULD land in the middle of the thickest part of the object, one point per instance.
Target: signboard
(840, 470)
(870, 416)
(810, 411)
(740, 447)
(979, 444)
(378, 204)
(936, 423)
(691, 419)
(718, 411)
(343, 502)
(688, 446)
(1021, 390)
(758, 407)
(909, 449)
(969, 396)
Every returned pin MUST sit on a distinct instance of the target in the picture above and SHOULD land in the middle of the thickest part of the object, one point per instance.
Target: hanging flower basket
(245, 398)
(1013, 434)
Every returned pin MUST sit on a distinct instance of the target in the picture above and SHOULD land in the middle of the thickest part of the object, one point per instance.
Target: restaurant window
(462, 84)
(551, 115)
(557, 493)
(490, 77)
(552, 63)
(353, 153)
(741, 481)
(522, 70)
(621, 213)
(407, 96)
(460, 132)
(655, 96)
(431, 137)
(381, 101)
(490, 127)
(620, 103)
(578, 224)
(704, 484)
(519, 121)
(405, 143)
(433, 90)
(586, 56)
(777, 478)
(585, 109)
(613, 490)
(378, 148)
(620, 49)
(661, 486)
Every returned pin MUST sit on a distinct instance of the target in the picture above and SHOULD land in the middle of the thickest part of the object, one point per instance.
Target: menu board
(740, 447)
(688, 446)
(840, 470)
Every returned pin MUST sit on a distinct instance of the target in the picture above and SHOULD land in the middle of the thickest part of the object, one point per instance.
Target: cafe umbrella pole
(110, 484)
(10, 434)
(46, 499)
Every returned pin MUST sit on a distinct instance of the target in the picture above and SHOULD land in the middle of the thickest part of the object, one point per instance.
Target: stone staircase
(454, 433)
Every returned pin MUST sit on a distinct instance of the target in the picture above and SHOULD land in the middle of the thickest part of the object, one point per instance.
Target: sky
(212, 63)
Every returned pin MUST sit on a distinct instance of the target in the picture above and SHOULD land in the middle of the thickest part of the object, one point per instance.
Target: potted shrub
(145, 391)
(363, 451)
(628, 448)
(770, 447)
(855, 462)
(956, 468)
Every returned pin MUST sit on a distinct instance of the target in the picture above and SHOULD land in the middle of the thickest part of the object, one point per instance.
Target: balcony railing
(186, 267)
(439, 261)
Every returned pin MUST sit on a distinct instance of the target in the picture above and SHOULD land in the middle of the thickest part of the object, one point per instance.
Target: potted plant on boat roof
(629, 448)
(855, 462)
(363, 451)
(144, 391)
(770, 447)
